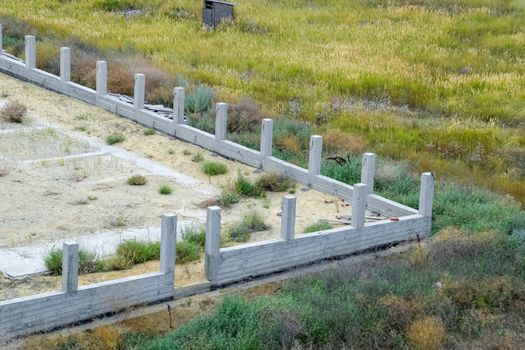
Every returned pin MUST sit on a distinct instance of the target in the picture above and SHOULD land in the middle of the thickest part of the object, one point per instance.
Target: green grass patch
(244, 187)
(87, 262)
(194, 234)
(165, 189)
(211, 168)
(318, 226)
(115, 138)
(250, 223)
(228, 198)
(149, 132)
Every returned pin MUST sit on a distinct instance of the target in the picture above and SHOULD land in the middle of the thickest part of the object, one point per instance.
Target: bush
(244, 187)
(244, 117)
(137, 180)
(115, 138)
(200, 101)
(227, 198)
(87, 262)
(214, 168)
(251, 222)
(194, 234)
(164, 189)
(337, 141)
(13, 112)
(275, 182)
(319, 226)
(426, 334)
(134, 252)
(187, 251)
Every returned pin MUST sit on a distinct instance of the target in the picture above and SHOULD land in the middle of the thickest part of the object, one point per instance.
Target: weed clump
(195, 235)
(250, 223)
(149, 132)
(275, 182)
(214, 168)
(164, 189)
(227, 198)
(426, 334)
(245, 187)
(87, 262)
(187, 251)
(197, 157)
(137, 180)
(318, 226)
(135, 252)
(13, 112)
(115, 138)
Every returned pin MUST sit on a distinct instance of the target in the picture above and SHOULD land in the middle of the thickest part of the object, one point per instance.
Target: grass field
(438, 83)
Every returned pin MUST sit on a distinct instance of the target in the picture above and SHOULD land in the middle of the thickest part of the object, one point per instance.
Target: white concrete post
(314, 158)
(426, 194)
(178, 105)
(221, 121)
(213, 242)
(1, 40)
(65, 64)
(138, 94)
(69, 267)
(266, 137)
(368, 167)
(359, 205)
(288, 218)
(102, 78)
(30, 52)
(168, 238)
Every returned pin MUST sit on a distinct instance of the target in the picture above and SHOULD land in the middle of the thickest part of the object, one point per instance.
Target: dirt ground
(61, 182)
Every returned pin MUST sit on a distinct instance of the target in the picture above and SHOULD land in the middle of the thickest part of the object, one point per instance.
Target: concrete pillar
(102, 78)
(65, 64)
(30, 52)
(359, 205)
(178, 105)
(138, 94)
(1, 40)
(213, 243)
(288, 218)
(221, 121)
(168, 238)
(314, 158)
(266, 137)
(368, 168)
(426, 194)
(69, 267)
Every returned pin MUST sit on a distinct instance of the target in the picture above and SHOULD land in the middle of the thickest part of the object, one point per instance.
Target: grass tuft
(214, 168)
(275, 182)
(318, 226)
(115, 138)
(13, 112)
(137, 180)
(165, 189)
(250, 223)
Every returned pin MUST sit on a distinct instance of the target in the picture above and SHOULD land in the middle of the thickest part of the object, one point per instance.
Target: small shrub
(318, 226)
(214, 168)
(196, 158)
(244, 116)
(134, 252)
(149, 132)
(337, 141)
(187, 251)
(245, 187)
(115, 138)
(426, 334)
(87, 262)
(251, 222)
(164, 189)
(227, 198)
(200, 101)
(275, 182)
(137, 180)
(194, 234)
(13, 112)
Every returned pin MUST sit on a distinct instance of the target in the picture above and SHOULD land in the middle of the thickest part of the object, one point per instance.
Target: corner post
(314, 158)
(213, 243)
(426, 194)
(102, 78)
(288, 218)
(30, 51)
(178, 105)
(69, 267)
(138, 92)
(168, 238)
(266, 137)
(367, 171)
(65, 64)
(359, 205)
(221, 121)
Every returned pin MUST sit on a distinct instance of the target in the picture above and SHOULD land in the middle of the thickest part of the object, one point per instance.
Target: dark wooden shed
(213, 12)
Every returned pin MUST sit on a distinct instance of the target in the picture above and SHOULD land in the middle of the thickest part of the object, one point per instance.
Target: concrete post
(266, 137)
(314, 158)
(138, 94)
(168, 238)
(359, 205)
(30, 52)
(213, 243)
(1, 40)
(102, 78)
(65, 64)
(178, 105)
(367, 171)
(426, 194)
(288, 218)
(69, 267)
(221, 121)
